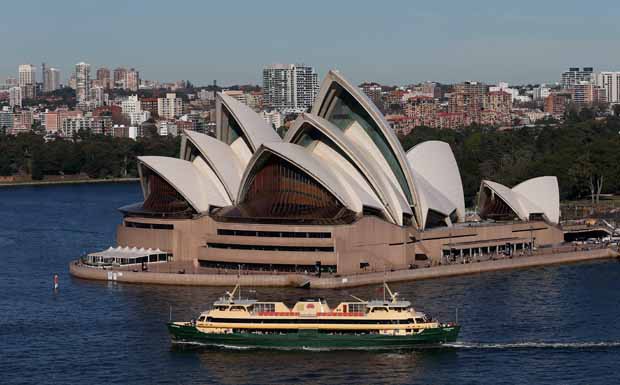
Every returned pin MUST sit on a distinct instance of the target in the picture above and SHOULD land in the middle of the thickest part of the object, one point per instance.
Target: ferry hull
(313, 339)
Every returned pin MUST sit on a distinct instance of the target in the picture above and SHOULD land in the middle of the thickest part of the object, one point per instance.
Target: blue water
(553, 325)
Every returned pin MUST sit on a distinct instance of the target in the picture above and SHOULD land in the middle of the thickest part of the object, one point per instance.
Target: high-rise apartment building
(373, 91)
(51, 80)
(610, 82)
(132, 80)
(289, 87)
(169, 107)
(43, 75)
(585, 93)
(575, 75)
(467, 98)
(120, 77)
(103, 77)
(82, 81)
(15, 96)
(27, 80)
(27, 75)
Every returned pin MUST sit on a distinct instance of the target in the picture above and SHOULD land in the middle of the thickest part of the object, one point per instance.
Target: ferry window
(378, 309)
(201, 318)
(237, 308)
(419, 320)
(264, 307)
(357, 308)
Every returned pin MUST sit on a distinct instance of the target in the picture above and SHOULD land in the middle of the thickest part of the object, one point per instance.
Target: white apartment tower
(575, 75)
(610, 82)
(27, 75)
(82, 81)
(289, 87)
(27, 80)
(15, 96)
(170, 106)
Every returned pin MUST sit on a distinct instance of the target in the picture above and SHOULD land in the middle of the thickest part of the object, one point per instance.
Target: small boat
(312, 324)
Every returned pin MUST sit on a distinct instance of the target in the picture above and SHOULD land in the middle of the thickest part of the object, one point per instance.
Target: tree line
(97, 156)
(583, 152)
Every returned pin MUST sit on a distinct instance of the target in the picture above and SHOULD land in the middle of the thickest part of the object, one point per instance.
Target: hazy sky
(386, 41)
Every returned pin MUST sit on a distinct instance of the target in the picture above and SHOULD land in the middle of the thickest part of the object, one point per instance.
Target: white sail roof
(534, 196)
(366, 126)
(391, 200)
(435, 170)
(221, 159)
(198, 189)
(545, 193)
(256, 130)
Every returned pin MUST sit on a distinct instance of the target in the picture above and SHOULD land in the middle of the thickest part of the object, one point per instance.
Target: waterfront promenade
(176, 273)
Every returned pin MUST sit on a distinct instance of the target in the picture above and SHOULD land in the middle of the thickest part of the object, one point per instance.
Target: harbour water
(551, 325)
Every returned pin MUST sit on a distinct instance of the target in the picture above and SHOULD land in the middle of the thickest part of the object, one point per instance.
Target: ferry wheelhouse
(311, 323)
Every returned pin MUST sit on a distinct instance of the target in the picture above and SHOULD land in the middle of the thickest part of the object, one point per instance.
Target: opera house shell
(338, 193)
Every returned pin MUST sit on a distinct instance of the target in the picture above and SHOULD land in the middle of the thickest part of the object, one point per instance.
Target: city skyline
(439, 42)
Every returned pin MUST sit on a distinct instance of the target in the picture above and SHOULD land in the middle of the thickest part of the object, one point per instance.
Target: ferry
(312, 324)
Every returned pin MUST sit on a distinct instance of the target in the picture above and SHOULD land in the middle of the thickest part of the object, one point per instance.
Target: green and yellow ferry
(312, 324)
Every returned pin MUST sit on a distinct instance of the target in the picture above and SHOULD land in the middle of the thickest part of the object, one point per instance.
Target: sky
(391, 42)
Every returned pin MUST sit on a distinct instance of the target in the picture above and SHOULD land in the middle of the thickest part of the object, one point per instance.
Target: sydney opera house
(337, 192)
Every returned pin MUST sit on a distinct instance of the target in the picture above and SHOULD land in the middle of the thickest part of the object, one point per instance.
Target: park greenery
(96, 156)
(583, 152)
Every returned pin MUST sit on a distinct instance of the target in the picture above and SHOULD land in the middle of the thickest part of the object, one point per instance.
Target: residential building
(53, 120)
(169, 107)
(468, 98)
(132, 80)
(586, 93)
(556, 102)
(27, 80)
(22, 122)
(289, 87)
(11, 82)
(149, 104)
(505, 87)
(51, 82)
(103, 77)
(131, 104)
(421, 111)
(120, 77)
(272, 117)
(100, 125)
(575, 75)
(6, 120)
(82, 81)
(167, 127)
(610, 81)
(541, 92)
(15, 96)
(374, 92)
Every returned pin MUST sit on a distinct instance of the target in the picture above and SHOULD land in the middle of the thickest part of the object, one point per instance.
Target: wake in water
(454, 345)
(534, 345)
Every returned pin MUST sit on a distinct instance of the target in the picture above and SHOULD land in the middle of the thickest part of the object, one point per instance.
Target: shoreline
(68, 181)
(301, 280)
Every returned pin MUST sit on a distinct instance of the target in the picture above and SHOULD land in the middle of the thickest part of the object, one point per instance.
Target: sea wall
(295, 280)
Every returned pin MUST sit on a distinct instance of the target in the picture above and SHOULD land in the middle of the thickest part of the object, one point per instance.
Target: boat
(311, 324)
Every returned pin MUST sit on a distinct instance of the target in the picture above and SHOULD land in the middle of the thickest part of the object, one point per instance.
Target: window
(327, 249)
(155, 226)
(357, 307)
(274, 234)
(264, 307)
